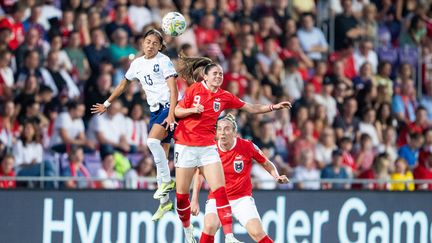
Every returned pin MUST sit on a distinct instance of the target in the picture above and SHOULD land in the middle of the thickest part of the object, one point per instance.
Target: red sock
(266, 239)
(223, 209)
(183, 209)
(205, 238)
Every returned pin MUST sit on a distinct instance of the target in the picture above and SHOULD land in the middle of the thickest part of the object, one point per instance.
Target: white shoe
(231, 239)
(189, 235)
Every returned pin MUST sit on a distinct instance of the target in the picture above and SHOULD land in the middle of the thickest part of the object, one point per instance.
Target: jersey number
(148, 80)
(197, 100)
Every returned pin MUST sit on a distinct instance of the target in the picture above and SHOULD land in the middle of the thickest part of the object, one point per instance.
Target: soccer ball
(173, 24)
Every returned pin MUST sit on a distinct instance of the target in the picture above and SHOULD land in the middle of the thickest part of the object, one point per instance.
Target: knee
(211, 227)
(257, 234)
(151, 142)
(182, 200)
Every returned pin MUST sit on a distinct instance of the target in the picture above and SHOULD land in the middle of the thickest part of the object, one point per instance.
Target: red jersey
(7, 183)
(237, 165)
(200, 129)
(17, 29)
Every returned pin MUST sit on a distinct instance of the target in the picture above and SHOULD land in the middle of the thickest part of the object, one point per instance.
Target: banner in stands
(287, 216)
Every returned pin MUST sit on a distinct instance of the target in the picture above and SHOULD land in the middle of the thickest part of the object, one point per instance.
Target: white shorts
(195, 156)
(243, 209)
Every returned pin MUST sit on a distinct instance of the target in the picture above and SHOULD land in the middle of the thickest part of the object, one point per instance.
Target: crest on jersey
(238, 165)
(216, 106)
(156, 68)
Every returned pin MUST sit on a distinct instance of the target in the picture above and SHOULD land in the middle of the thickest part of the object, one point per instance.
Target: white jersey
(152, 74)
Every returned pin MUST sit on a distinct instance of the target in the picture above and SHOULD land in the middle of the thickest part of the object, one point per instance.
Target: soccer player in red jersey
(195, 144)
(236, 155)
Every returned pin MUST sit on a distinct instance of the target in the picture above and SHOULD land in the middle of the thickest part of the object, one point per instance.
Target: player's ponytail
(191, 68)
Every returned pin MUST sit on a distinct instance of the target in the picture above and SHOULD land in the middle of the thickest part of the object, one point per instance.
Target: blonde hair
(231, 119)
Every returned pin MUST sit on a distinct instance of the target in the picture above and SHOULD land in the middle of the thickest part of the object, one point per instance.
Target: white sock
(159, 159)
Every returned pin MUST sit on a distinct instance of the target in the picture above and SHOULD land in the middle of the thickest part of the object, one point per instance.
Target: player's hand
(282, 105)
(169, 123)
(98, 109)
(282, 179)
(197, 109)
(195, 210)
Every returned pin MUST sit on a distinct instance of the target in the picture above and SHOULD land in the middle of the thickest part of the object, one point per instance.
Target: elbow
(177, 113)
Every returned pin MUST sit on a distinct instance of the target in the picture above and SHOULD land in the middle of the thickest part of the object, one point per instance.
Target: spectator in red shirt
(420, 125)
(346, 57)
(424, 170)
(228, 38)
(237, 73)
(348, 160)
(318, 77)
(379, 171)
(292, 49)
(205, 32)
(6, 169)
(306, 141)
(14, 23)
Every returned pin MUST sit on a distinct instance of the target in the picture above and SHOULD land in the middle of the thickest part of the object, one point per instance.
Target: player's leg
(156, 137)
(211, 222)
(184, 179)
(213, 172)
(185, 161)
(256, 231)
(155, 142)
(245, 211)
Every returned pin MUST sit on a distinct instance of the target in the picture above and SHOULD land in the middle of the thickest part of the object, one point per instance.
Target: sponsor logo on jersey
(238, 166)
(156, 68)
(216, 106)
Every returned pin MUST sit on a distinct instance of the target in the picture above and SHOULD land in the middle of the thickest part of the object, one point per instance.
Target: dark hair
(190, 68)
(381, 65)
(36, 135)
(307, 14)
(4, 52)
(185, 46)
(73, 104)
(158, 34)
(106, 154)
(414, 22)
(133, 106)
(29, 53)
(43, 88)
(74, 148)
(344, 139)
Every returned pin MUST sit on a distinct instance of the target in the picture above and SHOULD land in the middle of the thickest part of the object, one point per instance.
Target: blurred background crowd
(358, 73)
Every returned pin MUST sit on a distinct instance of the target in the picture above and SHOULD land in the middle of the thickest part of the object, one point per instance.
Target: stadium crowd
(357, 72)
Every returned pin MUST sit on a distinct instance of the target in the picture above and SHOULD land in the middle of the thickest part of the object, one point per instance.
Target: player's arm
(258, 156)
(170, 120)
(181, 112)
(259, 108)
(198, 180)
(271, 169)
(101, 108)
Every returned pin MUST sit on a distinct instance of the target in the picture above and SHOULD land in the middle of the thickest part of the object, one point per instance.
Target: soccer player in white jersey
(157, 76)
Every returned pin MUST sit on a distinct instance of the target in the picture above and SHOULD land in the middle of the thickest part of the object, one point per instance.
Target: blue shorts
(158, 117)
